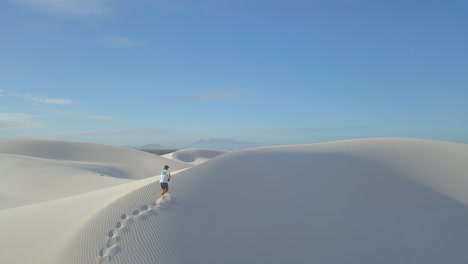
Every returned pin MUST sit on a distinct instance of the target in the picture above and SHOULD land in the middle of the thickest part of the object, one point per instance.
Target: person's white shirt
(165, 176)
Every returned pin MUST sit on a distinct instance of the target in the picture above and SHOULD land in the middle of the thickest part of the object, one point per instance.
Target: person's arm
(168, 179)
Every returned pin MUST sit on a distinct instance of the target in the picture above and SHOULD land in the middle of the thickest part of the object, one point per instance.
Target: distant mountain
(223, 143)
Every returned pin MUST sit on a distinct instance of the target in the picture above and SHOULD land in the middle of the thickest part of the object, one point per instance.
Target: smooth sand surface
(355, 201)
(195, 156)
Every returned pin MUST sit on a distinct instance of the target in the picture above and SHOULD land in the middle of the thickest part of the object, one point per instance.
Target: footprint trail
(113, 238)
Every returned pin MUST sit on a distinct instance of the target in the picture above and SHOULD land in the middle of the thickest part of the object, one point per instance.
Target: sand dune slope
(26, 180)
(132, 229)
(86, 153)
(33, 171)
(44, 232)
(195, 155)
(358, 201)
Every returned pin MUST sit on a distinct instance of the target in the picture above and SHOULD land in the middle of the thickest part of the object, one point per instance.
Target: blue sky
(134, 72)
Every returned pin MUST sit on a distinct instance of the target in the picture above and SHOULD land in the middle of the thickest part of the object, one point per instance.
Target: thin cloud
(221, 95)
(1, 92)
(17, 120)
(46, 100)
(123, 131)
(121, 42)
(75, 114)
(52, 101)
(69, 7)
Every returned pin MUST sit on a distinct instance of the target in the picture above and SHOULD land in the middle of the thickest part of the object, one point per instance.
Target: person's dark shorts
(164, 185)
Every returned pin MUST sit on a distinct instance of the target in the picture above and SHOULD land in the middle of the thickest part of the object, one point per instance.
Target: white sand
(356, 201)
(37, 171)
(195, 156)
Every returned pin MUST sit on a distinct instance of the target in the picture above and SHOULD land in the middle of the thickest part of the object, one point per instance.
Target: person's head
(166, 167)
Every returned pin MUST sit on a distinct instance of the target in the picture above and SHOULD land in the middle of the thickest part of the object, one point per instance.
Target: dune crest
(195, 156)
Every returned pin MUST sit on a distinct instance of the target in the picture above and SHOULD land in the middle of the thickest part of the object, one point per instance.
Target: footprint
(119, 224)
(136, 212)
(145, 208)
(124, 216)
(113, 241)
(109, 251)
(102, 252)
(111, 233)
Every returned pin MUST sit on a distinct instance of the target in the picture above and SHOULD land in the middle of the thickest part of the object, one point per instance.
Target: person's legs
(164, 187)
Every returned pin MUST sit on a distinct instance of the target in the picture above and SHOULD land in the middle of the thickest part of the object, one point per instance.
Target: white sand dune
(195, 156)
(34, 171)
(356, 201)
(26, 180)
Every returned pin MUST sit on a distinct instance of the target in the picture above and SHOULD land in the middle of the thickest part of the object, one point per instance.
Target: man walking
(164, 180)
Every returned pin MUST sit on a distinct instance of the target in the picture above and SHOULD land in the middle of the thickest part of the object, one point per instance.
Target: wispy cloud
(229, 93)
(56, 101)
(42, 99)
(69, 7)
(76, 114)
(109, 132)
(121, 42)
(17, 120)
(52, 101)
(1, 92)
